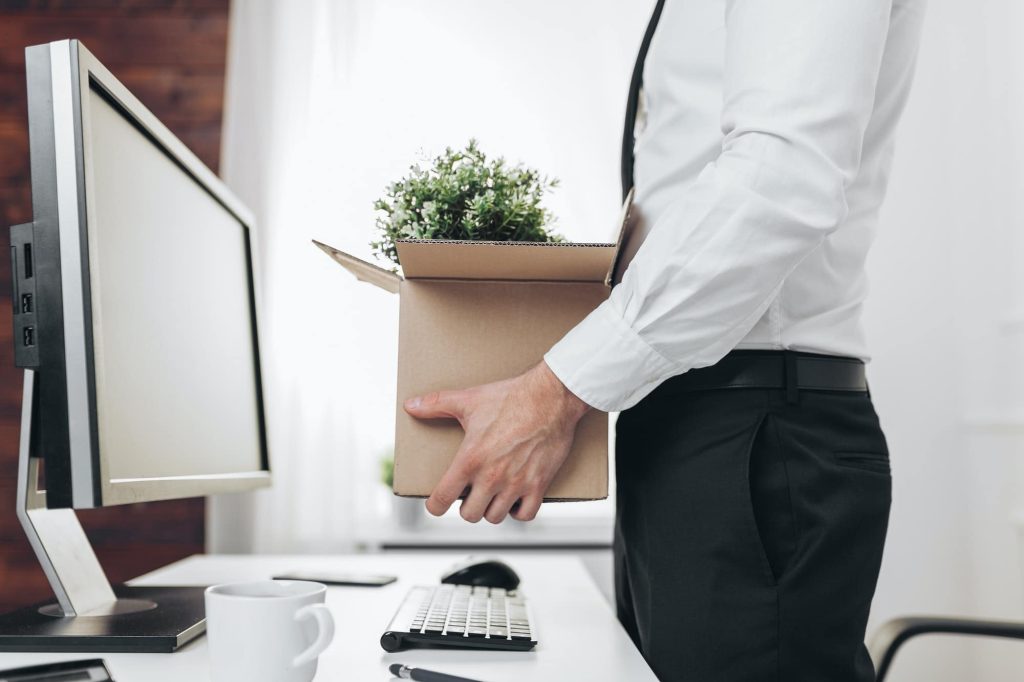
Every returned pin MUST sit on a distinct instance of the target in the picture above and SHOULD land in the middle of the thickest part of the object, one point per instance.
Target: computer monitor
(135, 318)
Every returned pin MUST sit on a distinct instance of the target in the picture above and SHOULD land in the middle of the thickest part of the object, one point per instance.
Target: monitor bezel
(76, 470)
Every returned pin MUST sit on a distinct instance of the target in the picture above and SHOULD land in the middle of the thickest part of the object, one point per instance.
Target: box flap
(505, 261)
(626, 223)
(364, 272)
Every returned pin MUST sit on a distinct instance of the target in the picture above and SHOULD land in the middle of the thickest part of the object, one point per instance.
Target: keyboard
(463, 617)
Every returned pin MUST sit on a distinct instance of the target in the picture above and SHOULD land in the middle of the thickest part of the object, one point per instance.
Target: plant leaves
(463, 195)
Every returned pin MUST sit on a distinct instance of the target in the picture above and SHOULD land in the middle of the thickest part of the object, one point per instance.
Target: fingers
(481, 493)
(438, 404)
(490, 488)
(486, 493)
(498, 509)
(528, 507)
(486, 481)
(451, 486)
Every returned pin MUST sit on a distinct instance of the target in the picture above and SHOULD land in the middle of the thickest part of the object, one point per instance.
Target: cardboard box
(473, 312)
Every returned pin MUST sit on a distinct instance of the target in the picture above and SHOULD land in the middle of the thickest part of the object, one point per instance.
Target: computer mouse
(484, 573)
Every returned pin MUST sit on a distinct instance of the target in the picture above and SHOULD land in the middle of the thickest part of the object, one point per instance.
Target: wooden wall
(171, 54)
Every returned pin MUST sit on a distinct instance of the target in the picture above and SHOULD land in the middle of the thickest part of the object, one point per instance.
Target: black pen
(421, 675)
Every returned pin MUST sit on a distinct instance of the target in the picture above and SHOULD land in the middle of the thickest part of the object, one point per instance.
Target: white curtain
(287, 141)
(327, 102)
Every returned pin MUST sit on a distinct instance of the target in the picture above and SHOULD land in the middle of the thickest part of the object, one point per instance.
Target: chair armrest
(894, 633)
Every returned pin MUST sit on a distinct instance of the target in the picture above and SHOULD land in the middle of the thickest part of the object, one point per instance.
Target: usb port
(28, 337)
(26, 303)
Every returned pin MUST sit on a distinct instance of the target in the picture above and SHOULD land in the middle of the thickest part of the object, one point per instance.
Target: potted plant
(406, 511)
(466, 196)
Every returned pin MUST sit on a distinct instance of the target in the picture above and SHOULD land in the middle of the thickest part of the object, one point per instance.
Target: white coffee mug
(267, 631)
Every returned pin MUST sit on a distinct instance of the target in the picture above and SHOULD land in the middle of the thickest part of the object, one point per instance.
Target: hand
(518, 434)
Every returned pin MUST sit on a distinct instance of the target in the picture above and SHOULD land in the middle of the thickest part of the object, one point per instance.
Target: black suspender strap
(634, 101)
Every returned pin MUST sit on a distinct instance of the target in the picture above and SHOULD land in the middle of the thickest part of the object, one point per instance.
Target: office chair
(895, 633)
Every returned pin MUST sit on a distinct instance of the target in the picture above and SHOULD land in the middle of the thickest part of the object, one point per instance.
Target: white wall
(944, 324)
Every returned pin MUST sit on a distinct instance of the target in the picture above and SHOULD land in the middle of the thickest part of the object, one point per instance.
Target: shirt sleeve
(799, 87)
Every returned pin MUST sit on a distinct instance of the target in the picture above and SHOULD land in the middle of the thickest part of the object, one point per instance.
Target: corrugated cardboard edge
(548, 245)
(504, 261)
(546, 499)
(363, 271)
(625, 228)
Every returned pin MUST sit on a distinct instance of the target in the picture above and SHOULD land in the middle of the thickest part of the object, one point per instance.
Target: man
(752, 476)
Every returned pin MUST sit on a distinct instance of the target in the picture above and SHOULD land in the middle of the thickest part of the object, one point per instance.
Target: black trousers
(749, 532)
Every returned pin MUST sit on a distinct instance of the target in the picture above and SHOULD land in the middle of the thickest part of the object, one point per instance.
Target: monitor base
(178, 617)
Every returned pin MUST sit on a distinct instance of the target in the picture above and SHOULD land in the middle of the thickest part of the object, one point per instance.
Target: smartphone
(339, 578)
(93, 669)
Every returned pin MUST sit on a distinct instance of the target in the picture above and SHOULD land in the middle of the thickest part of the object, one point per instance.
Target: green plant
(387, 470)
(463, 195)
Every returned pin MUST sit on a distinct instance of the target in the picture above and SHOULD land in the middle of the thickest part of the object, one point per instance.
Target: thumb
(438, 404)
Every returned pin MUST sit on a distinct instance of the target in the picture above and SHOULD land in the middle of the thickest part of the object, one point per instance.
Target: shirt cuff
(606, 364)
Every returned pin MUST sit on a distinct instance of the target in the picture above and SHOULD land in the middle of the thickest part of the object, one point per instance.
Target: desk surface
(579, 636)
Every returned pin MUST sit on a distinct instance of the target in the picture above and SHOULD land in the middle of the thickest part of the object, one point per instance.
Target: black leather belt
(787, 370)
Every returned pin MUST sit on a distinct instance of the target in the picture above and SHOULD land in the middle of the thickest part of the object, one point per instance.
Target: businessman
(753, 479)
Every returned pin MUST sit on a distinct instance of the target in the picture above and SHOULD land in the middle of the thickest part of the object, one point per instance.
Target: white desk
(580, 639)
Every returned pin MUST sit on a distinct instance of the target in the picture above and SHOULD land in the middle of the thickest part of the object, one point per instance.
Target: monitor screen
(138, 306)
(174, 341)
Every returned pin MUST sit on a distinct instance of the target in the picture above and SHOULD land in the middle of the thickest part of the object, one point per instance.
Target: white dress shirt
(760, 168)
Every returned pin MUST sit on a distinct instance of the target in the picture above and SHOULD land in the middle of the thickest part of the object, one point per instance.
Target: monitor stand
(89, 615)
